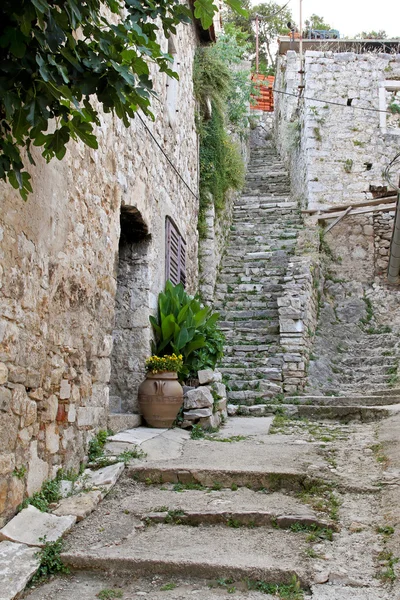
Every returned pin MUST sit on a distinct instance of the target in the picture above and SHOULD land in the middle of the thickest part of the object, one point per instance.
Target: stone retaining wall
(298, 311)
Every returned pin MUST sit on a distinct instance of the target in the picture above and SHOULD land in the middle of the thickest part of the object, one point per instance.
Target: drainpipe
(394, 255)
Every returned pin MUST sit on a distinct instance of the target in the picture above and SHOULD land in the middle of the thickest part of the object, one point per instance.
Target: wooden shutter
(175, 254)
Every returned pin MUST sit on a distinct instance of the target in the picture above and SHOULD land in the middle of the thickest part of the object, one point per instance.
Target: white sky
(351, 16)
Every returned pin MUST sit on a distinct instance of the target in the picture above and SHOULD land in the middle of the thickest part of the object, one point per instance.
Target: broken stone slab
(34, 528)
(18, 564)
(136, 436)
(104, 478)
(198, 413)
(201, 397)
(232, 409)
(79, 506)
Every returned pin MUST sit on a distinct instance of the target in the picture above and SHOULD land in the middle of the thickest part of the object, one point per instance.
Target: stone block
(18, 564)
(7, 463)
(19, 400)
(200, 397)
(16, 374)
(8, 431)
(65, 390)
(79, 506)
(221, 405)
(52, 438)
(198, 413)
(219, 389)
(205, 376)
(105, 477)
(38, 471)
(212, 421)
(3, 374)
(31, 526)
(232, 409)
(5, 399)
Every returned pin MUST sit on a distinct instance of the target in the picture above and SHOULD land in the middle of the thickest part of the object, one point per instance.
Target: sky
(351, 16)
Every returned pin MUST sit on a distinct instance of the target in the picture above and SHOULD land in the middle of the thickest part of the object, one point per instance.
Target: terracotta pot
(160, 398)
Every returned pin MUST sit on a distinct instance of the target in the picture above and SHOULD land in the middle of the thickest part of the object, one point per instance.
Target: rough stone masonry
(58, 280)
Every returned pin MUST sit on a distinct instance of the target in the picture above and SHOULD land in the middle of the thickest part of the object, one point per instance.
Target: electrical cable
(378, 110)
(168, 159)
(387, 172)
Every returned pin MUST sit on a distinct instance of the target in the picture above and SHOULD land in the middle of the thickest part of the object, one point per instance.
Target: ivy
(60, 59)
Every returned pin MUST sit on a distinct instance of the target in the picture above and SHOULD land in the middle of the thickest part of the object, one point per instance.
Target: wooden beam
(337, 207)
(360, 211)
(332, 225)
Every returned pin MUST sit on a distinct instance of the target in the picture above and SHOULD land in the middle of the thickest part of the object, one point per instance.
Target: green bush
(208, 356)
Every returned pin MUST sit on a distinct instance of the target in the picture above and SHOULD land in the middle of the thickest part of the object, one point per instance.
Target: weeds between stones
(50, 560)
(168, 586)
(388, 573)
(109, 594)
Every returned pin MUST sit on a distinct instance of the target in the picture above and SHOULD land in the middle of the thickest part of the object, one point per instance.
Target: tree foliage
(273, 21)
(60, 58)
(372, 35)
(318, 23)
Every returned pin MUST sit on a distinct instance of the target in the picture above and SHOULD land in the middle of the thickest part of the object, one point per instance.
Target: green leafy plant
(96, 445)
(19, 472)
(49, 494)
(182, 325)
(50, 560)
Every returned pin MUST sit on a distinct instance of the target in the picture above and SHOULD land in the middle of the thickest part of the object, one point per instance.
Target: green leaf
(236, 6)
(205, 10)
(181, 339)
(155, 325)
(168, 327)
(197, 343)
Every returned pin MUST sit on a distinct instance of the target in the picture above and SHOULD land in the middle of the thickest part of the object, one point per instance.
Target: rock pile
(205, 404)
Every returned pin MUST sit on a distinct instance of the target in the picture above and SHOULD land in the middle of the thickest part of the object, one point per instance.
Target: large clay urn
(160, 398)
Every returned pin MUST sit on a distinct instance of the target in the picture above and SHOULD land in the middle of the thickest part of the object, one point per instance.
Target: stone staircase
(263, 235)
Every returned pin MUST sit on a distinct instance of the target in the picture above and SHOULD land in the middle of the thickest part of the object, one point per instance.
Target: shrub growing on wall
(221, 85)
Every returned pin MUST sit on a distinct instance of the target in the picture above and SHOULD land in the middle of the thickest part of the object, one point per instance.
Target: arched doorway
(131, 334)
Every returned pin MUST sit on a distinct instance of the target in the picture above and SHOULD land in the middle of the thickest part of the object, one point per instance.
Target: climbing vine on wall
(223, 93)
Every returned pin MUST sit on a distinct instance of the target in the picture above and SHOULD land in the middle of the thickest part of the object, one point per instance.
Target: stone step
(345, 400)
(238, 315)
(214, 553)
(361, 361)
(342, 414)
(243, 506)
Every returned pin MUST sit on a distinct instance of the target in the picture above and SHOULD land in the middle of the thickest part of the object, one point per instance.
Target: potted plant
(182, 328)
(161, 394)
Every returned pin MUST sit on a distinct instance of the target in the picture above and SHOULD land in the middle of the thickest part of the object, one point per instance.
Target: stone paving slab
(330, 592)
(18, 564)
(30, 526)
(79, 506)
(246, 427)
(137, 436)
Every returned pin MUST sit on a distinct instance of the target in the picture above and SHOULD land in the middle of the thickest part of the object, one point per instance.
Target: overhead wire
(167, 158)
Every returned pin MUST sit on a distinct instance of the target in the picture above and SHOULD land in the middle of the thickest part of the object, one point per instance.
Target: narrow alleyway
(268, 507)
(264, 232)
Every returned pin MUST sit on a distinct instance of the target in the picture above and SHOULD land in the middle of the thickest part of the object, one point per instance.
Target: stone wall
(58, 280)
(345, 148)
(298, 311)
